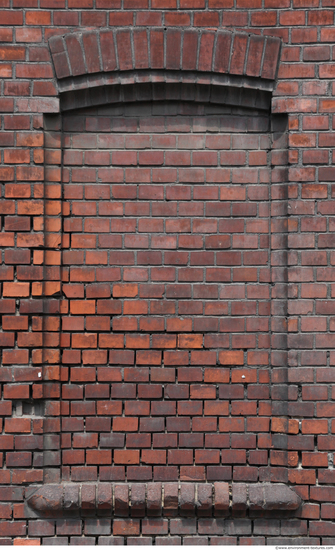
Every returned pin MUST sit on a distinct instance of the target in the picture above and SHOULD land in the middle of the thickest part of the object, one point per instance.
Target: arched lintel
(221, 66)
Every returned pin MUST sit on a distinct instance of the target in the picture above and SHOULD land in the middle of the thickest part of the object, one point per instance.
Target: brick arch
(247, 60)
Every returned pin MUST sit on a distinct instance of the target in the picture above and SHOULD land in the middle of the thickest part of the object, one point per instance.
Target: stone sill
(162, 499)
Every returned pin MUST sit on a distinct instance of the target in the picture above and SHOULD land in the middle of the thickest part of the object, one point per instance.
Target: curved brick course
(217, 51)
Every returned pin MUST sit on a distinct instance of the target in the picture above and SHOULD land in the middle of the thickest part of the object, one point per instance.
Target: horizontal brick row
(169, 531)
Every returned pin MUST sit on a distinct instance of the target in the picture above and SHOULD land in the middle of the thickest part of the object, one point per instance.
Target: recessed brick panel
(166, 280)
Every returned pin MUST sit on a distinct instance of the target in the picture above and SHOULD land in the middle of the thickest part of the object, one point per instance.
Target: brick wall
(167, 331)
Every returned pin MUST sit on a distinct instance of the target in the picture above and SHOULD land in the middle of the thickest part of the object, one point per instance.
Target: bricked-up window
(164, 163)
(166, 270)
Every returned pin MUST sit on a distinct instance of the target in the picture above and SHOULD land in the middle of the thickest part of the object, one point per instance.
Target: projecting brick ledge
(168, 499)
(215, 51)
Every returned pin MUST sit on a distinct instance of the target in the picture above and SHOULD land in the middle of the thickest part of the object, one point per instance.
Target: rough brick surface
(167, 278)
